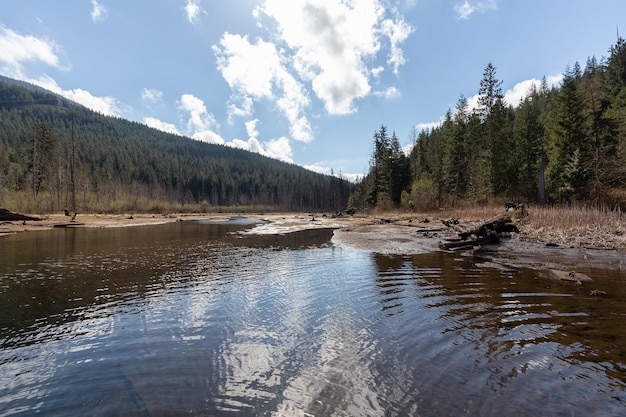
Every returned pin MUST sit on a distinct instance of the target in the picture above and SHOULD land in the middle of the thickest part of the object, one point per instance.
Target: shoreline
(389, 233)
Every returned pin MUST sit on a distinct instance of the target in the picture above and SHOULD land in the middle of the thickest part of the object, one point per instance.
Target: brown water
(188, 319)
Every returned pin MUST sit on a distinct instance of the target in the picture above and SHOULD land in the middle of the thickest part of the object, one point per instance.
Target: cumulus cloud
(522, 89)
(327, 49)
(18, 50)
(278, 148)
(254, 71)
(160, 125)
(200, 124)
(98, 12)
(109, 106)
(465, 10)
(193, 11)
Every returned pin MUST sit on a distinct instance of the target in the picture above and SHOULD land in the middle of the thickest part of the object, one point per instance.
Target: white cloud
(522, 89)
(465, 10)
(151, 96)
(109, 106)
(388, 93)
(199, 118)
(251, 128)
(325, 48)
(17, 50)
(98, 12)
(427, 126)
(201, 124)
(208, 136)
(322, 168)
(247, 68)
(254, 72)
(162, 126)
(331, 43)
(519, 91)
(278, 148)
(397, 31)
(193, 10)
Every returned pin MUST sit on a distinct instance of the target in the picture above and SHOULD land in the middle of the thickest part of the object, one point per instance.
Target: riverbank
(388, 232)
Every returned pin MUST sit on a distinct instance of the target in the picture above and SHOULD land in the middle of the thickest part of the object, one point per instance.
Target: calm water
(186, 319)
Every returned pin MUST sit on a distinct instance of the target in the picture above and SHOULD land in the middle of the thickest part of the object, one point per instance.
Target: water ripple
(189, 322)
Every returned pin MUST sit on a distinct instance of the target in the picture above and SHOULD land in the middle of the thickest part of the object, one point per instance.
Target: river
(192, 319)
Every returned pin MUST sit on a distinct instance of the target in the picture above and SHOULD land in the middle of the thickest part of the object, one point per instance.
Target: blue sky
(305, 81)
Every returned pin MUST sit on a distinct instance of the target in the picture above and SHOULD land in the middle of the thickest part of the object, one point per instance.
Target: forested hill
(56, 154)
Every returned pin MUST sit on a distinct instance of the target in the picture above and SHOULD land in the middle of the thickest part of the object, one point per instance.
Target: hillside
(56, 154)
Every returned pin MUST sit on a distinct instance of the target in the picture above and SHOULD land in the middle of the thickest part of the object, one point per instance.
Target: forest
(57, 155)
(560, 145)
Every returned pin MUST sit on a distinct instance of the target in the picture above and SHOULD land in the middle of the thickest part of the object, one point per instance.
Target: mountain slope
(101, 161)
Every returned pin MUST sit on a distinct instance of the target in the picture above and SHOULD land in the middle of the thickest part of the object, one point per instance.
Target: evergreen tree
(494, 115)
(42, 147)
(400, 170)
(528, 135)
(455, 150)
(569, 147)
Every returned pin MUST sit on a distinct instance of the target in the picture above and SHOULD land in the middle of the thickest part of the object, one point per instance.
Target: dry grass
(580, 226)
(583, 226)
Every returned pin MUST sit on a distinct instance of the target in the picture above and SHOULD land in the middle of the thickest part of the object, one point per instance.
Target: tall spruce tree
(494, 114)
(569, 172)
(528, 139)
(42, 145)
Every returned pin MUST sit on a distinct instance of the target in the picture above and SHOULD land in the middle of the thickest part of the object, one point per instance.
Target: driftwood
(486, 233)
(491, 239)
(10, 216)
(500, 224)
(68, 225)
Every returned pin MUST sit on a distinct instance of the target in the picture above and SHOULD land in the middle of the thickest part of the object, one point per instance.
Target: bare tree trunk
(541, 186)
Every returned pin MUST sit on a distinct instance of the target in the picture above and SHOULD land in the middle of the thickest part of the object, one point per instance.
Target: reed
(583, 225)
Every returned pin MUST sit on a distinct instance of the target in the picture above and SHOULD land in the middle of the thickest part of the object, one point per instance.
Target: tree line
(56, 154)
(559, 144)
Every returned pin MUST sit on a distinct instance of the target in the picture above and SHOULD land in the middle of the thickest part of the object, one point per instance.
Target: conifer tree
(569, 167)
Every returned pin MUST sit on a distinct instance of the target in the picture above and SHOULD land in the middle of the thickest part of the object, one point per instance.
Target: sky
(305, 81)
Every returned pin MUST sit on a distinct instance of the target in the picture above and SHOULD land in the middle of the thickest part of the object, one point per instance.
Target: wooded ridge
(56, 155)
(560, 144)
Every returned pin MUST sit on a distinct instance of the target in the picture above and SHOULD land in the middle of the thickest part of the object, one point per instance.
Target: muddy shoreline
(396, 234)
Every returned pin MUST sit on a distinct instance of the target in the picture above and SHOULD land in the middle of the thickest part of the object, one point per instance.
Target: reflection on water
(191, 319)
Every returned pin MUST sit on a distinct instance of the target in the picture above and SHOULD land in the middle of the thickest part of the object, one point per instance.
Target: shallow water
(190, 319)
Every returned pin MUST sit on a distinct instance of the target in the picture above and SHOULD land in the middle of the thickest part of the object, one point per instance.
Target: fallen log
(502, 223)
(490, 239)
(68, 225)
(10, 216)
(486, 233)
